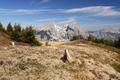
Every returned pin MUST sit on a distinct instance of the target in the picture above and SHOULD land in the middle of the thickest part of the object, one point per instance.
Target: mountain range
(53, 32)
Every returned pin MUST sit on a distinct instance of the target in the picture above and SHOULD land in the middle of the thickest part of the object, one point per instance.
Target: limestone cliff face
(53, 32)
(112, 33)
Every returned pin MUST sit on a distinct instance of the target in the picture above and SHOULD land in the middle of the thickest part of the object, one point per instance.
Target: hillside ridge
(44, 63)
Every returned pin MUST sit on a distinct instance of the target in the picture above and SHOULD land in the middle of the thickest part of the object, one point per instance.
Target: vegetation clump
(2, 28)
(78, 37)
(116, 66)
(114, 43)
(19, 34)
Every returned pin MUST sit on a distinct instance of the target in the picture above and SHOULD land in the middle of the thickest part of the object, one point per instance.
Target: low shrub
(116, 66)
(35, 43)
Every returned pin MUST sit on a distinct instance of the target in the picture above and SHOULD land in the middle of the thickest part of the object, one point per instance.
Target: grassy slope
(116, 66)
(44, 63)
(95, 44)
(6, 41)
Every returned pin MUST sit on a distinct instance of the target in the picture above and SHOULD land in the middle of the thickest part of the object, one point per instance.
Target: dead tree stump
(66, 57)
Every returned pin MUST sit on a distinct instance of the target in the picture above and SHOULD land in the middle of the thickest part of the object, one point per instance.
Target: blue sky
(91, 14)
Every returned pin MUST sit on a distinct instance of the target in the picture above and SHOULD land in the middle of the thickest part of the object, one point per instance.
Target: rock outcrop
(53, 32)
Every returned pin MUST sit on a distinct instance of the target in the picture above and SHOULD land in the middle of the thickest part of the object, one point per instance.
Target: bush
(1, 27)
(16, 36)
(35, 43)
(75, 38)
(117, 44)
(116, 66)
(9, 29)
(16, 33)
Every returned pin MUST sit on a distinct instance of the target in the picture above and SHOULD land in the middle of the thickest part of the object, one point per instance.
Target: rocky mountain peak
(111, 29)
(54, 32)
(65, 32)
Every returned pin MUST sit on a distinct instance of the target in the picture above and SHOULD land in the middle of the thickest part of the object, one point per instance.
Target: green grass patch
(116, 66)
(110, 48)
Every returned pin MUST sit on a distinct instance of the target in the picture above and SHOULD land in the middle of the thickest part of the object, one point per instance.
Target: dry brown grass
(71, 42)
(44, 62)
(76, 42)
(4, 39)
(108, 48)
(51, 43)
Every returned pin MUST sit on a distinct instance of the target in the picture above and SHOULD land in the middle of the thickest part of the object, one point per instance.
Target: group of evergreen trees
(78, 37)
(2, 28)
(20, 34)
(115, 43)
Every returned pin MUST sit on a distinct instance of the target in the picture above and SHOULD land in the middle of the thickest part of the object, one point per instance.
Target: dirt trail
(44, 63)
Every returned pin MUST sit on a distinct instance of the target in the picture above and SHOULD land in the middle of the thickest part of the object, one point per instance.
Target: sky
(90, 14)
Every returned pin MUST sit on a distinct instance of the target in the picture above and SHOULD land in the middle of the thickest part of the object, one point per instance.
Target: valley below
(89, 62)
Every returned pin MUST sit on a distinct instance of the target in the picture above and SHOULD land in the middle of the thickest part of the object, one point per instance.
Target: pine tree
(30, 37)
(17, 28)
(75, 38)
(22, 35)
(1, 27)
(117, 43)
(16, 33)
(29, 33)
(9, 28)
(89, 38)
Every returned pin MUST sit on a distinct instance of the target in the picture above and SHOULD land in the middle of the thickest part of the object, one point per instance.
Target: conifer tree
(1, 27)
(16, 33)
(17, 28)
(9, 28)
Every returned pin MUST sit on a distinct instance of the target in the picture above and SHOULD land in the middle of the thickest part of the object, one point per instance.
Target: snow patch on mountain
(54, 32)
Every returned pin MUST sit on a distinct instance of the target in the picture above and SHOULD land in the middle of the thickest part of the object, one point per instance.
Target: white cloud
(28, 11)
(59, 20)
(98, 10)
(22, 11)
(44, 1)
(47, 19)
(93, 10)
(37, 2)
(68, 20)
(32, 11)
